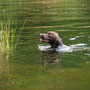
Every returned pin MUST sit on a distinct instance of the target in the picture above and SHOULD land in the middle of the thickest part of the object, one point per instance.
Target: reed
(7, 36)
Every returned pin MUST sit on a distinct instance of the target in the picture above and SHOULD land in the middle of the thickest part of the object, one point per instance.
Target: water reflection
(49, 58)
(4, 70)
(70, 18)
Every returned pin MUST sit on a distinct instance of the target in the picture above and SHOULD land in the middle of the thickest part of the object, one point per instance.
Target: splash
(64, 48)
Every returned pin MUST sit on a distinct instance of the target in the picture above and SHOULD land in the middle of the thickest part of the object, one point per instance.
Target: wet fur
(52, 38)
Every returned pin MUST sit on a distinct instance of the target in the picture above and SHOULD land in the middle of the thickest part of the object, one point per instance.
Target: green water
(28, 68)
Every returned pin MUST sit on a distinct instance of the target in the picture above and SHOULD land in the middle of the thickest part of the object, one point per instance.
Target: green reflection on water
(31, 69)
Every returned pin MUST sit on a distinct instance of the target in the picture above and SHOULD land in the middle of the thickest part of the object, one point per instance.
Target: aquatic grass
(7, 35)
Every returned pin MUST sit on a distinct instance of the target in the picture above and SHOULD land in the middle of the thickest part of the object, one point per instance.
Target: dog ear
(53, 33)
(52, 37)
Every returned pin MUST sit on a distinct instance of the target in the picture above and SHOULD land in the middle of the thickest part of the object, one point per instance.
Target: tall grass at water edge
(7, 36)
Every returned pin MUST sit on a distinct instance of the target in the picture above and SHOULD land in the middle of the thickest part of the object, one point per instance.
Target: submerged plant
(7, 35)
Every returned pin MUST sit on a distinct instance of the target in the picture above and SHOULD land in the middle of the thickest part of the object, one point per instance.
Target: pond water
(32, 69)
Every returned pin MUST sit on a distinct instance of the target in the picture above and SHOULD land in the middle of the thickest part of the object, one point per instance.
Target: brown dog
(52, 38)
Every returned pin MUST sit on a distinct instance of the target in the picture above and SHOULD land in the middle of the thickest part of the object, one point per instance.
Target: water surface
(31, 69)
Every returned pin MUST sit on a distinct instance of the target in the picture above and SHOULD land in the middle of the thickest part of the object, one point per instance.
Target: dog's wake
(64, 48)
